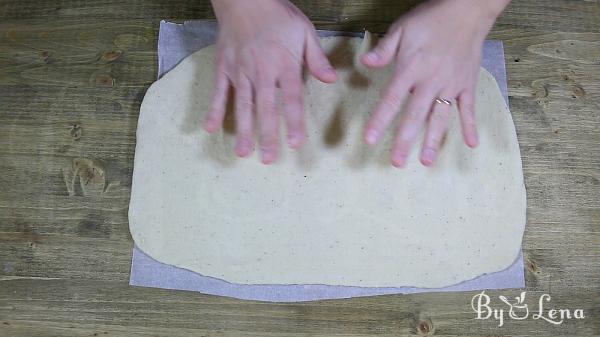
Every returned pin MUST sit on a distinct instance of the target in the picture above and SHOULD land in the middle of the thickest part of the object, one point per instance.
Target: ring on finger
(443, 101)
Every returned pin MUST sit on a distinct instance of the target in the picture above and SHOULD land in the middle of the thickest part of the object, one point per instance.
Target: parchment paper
(175, 42)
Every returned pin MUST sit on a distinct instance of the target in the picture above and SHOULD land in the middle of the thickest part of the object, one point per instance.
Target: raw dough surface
(335, 212)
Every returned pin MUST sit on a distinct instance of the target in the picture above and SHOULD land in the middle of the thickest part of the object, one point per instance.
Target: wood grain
(72, 77)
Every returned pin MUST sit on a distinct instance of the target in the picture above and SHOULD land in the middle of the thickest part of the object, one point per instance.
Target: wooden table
(72, 76)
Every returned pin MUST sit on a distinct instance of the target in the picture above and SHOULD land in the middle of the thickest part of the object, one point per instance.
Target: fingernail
(329, 71)
(268, 156)
(372, 137)
(243, 148)
(209, 125)
(294, 140)
(428, 157)
(473, 141)
(399, 160)
(372, 56)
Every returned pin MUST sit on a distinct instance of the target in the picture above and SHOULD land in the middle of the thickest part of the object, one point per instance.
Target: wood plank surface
(72, 77)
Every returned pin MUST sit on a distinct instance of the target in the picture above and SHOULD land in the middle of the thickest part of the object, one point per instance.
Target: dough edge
(148, 251)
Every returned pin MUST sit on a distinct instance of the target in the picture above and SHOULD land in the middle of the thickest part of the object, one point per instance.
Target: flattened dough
(335, 212)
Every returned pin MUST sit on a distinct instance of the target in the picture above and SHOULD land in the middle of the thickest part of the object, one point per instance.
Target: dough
(335, 212)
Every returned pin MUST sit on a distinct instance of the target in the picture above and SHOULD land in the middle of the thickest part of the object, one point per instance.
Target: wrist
(482, 14)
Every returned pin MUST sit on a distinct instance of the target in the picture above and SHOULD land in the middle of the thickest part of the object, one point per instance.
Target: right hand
(263, 45)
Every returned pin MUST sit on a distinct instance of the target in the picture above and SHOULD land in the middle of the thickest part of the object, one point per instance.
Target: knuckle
(294, 108)
(392, 100)
(468, 121)
(440, 116)
(244, 134)
(402, 144)
(214, 116)
(244, 127)
(267, 104)
(405, 135)
(296, 127)
(242, 85)
(470, 124)
(435, 139)
(269, 140)
(244, 106)
(468, 111)
(216, 108)
(416, 112)
(377, 122)
(408, 61)
(470, 107)
(294, 123)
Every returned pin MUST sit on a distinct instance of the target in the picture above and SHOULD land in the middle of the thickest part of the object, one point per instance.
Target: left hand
(437, 49)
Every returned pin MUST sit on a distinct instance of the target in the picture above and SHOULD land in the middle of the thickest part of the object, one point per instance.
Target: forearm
(479, 14)
(498, 6)
(489, 8)
(242, 8)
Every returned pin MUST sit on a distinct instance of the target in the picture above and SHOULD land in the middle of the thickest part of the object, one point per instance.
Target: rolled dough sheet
(323, 215)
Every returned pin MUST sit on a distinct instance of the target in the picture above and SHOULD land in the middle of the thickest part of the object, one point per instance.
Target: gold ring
(443, 101)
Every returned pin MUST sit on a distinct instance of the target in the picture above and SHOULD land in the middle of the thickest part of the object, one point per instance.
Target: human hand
(263, 45)
(437, 49)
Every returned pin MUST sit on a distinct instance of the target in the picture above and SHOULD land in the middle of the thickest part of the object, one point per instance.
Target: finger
(466, 107)
(268, 120)
(244, 117)
(411, 122)
(214, 119)
(388, 106)
(385, 50)
(291, 89)
(436, 130)
(316, 61)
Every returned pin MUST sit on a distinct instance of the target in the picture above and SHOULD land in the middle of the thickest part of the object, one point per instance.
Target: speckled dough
(336, 212)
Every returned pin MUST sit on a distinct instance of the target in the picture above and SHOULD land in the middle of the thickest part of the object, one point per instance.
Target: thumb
(385, 50)
(316, 61)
